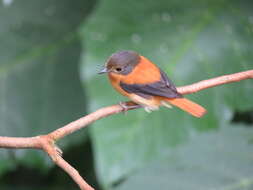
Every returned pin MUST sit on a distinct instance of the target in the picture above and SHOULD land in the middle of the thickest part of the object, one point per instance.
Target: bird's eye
(118, 69)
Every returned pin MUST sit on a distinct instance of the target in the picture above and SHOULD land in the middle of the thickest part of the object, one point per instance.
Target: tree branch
(225, 79)
(47, 142)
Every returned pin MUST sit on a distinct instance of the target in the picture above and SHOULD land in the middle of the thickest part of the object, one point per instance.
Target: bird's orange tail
(188, 106)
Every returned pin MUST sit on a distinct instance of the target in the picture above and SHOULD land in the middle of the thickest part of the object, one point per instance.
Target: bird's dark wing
(164, 87)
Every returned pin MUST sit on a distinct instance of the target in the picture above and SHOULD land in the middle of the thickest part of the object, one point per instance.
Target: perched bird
(144, 83)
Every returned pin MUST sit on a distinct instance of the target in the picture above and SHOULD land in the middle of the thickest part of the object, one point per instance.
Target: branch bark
(47, 142)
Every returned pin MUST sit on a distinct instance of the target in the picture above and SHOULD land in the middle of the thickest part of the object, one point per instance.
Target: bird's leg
(129, 105)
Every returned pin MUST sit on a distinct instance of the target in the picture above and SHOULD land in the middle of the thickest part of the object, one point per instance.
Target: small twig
(20, 142)
(74, 174)
(47, 142)
(84, 121)
(225, 79)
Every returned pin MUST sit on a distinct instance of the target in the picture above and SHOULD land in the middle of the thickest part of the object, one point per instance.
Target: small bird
(137, 78)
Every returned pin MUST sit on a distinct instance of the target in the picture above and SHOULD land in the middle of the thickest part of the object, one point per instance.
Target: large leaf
(212, 164)
(40, 89)
(191, 40)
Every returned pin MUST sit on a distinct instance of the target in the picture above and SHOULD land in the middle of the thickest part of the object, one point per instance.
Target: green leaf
(191, 41)
(40, 89)
(211, 164)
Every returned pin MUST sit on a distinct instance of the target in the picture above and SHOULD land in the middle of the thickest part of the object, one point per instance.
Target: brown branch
(19, 142)
(73, 173)
(84, 121)
(225, 79)
(47, 142)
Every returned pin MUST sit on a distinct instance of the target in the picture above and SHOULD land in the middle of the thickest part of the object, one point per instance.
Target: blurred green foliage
(190, 40)
(40, 87)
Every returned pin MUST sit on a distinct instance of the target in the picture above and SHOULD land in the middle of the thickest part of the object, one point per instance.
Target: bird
(145, 84)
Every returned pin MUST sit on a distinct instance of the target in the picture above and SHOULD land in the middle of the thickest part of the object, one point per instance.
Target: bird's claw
(124, 107)
(128, 105)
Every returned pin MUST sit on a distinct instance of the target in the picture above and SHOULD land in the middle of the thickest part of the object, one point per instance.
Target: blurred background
(50, 53)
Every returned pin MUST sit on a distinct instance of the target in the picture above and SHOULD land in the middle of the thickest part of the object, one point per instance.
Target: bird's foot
(128, 106)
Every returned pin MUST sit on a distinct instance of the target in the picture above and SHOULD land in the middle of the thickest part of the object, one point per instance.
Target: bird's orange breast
(115, 81)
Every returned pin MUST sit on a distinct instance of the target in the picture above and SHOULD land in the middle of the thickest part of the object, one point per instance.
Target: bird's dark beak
(104, 70)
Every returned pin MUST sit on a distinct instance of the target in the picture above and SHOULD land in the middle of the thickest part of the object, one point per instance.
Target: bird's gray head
(122, 62)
